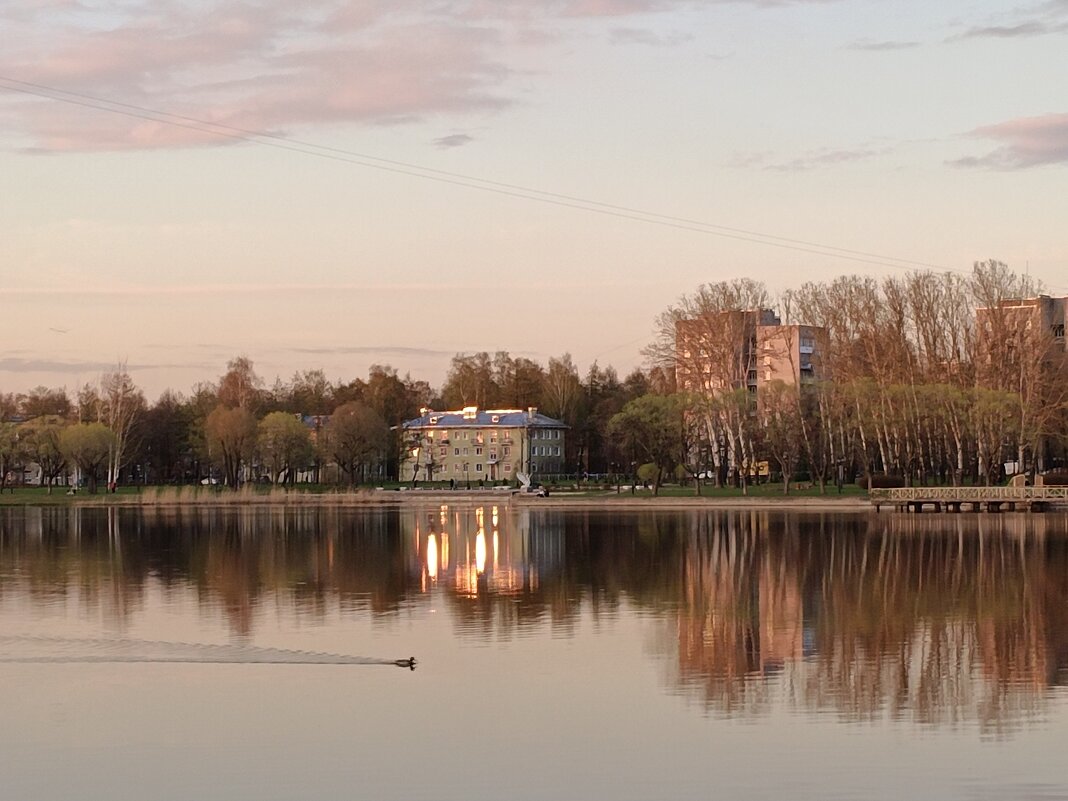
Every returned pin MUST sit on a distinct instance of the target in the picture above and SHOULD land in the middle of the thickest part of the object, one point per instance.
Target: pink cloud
(271, 65)
(1025, 142)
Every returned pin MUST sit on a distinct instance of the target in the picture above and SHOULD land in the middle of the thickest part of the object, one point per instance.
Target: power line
(456, 179)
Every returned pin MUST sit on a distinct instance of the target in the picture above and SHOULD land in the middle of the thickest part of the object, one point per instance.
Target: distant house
(472, 444)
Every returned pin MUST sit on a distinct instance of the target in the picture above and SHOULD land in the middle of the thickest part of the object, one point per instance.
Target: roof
(508, 418)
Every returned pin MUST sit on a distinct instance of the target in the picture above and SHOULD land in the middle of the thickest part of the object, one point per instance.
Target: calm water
(214, 654)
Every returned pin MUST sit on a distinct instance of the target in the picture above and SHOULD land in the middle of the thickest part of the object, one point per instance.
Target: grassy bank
(313, 494)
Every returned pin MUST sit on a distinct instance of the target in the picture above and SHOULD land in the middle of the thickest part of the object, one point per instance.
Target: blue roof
(484, 419)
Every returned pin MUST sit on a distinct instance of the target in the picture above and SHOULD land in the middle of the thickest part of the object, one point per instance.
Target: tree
(518, 380)
(240, 386)
(562, 390)
(311, 393)
(649, 429)
(355, 438)
(9, 406)
(284, 443)
(995, 416)
(230, 434)
(121, 403)
(87, 445)
(167, 438)
(470, 382)
(11, 451)
(41, 437)
(781, 422)
(395, 400)
(43, 401)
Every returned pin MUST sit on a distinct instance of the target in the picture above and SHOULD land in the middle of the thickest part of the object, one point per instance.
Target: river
(215, 653)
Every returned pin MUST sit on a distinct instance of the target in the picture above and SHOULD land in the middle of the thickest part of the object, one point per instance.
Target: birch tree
(120, 405)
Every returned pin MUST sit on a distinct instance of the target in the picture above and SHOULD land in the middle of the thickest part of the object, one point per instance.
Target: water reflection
(935, 620)
(939, 620)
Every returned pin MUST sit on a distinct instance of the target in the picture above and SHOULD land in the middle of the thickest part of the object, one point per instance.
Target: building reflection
(939, 620)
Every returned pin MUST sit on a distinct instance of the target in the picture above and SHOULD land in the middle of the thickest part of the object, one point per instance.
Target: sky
(337, 183)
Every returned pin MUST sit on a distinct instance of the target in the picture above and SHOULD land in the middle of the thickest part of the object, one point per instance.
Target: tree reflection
(934, 619)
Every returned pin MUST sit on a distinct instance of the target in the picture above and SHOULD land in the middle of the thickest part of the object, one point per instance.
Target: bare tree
(121, 403)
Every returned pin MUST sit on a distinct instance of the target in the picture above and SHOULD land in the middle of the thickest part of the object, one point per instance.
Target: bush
(647, 472)
(881, 482)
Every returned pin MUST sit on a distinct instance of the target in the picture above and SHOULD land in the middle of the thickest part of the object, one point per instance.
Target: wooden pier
(972, 499)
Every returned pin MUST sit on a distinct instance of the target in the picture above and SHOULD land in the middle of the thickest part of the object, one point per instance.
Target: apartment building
(790, 353)
(475, 444)
(1017, 332)
(719, 352)
(745, 348)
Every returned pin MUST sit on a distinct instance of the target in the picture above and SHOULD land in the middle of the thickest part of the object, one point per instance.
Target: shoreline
(370, 499)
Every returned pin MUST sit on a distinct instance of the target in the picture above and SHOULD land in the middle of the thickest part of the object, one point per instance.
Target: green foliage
(284, 444)
(11, 450)
(87, 445)
(41, 439)
(648, 472)
(649, 429)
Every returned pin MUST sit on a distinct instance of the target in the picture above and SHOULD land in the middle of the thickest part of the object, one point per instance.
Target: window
(443, 452)
(478, 451)
(507, 467)
(455, 451)
(493, 456)
(507, 450)
(495, 418)
(556, 451)
(478, 467)
(466, 451)
(444, 433)
(456, 468)
(493, 437)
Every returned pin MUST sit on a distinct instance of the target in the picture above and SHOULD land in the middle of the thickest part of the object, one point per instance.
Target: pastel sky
(131, 229)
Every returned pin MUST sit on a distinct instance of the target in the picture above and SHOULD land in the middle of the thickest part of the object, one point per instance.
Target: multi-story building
(1019, 333)
(473, 444)
(718, 352)
(1020, 348)
(789, 353)
(745, 348)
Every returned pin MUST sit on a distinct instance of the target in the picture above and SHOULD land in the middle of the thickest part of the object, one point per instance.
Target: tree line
(312, 429)
(923, 377)
(909, 381)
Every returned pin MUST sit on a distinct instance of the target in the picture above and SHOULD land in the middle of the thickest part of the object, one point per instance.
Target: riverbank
(156, 497)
